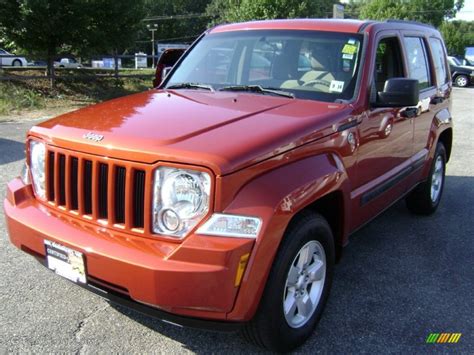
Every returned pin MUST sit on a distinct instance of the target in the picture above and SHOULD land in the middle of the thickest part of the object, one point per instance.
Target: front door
(385, 139)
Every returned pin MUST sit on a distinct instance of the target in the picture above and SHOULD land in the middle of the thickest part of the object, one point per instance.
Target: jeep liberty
(223, 197)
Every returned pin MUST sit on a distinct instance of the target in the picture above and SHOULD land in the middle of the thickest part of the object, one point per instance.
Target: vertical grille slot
(138, 198)
(51, 176)
(74, 183)
(103, 176)
(62, 180)
(87, 187)
(120, 176)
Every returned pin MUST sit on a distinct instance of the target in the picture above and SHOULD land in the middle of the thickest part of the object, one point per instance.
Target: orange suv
(224, 197)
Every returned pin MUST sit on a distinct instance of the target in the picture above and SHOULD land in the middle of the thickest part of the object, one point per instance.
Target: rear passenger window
(439, 61)
(417, 62)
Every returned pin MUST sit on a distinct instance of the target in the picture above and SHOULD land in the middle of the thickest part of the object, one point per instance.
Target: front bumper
(194, 278)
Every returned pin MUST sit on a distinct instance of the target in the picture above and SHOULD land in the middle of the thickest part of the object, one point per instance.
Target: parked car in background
(11, 61)
(168, 59)
(462, 75)
(70, 63)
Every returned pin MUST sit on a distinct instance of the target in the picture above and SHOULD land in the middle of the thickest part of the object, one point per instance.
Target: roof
(331, 25)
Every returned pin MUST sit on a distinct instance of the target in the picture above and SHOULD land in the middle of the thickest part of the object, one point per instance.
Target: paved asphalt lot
(401, 278)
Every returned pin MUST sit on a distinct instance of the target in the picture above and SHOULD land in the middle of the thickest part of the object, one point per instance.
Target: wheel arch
(331, 207)
(318, 183)
(446, 137)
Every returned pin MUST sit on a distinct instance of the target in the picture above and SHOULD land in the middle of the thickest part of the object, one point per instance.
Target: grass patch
(19, 96)
(15, 98)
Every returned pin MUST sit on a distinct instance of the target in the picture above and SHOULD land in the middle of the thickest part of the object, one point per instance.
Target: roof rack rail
(410, 22)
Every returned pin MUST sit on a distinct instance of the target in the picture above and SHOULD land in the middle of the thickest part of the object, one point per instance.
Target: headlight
(37, 163)
(180, 200)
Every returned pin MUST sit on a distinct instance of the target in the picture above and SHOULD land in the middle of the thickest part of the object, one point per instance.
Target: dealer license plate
(65, 261)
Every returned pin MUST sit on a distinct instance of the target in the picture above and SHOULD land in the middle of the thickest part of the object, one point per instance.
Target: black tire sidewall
(17, 63)
(285, 337)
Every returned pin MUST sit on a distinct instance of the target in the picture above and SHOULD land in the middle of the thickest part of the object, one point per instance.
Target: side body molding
(276, 197)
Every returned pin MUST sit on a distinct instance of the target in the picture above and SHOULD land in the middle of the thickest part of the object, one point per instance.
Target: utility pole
(152, 29)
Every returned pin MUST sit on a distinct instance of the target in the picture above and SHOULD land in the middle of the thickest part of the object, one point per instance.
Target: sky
(467, 12)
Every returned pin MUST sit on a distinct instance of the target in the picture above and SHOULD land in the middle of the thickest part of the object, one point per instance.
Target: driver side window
(388, 62)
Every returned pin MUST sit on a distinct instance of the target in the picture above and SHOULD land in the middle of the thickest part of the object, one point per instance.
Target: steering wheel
(317, 82)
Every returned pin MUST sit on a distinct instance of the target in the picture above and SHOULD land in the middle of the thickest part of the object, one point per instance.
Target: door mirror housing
(398, 92)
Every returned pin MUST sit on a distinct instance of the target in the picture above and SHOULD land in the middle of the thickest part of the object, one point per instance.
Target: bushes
(14, 97)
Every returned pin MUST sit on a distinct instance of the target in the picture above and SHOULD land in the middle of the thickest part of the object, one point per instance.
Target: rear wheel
(297, 288)
(425, 198)
(462, 81)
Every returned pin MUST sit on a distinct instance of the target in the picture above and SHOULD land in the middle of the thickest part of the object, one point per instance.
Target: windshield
(308, 64)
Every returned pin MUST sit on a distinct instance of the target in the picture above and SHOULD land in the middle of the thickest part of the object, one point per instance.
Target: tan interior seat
(320, 72)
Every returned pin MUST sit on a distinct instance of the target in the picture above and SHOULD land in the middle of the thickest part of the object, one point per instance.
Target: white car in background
(70, 63)
(11, 61)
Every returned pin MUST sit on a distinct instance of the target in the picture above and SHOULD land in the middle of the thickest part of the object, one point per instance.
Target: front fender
(276, 197)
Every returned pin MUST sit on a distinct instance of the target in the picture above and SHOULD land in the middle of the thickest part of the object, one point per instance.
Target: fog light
(227, 225)
(170, 220)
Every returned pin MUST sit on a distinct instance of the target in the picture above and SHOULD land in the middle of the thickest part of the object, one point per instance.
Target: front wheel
(17, 63)
(462, 81)
(297, 287)
(425, 198)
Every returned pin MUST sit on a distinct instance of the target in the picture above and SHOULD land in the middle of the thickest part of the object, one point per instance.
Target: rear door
(420, 68)
(439, 93)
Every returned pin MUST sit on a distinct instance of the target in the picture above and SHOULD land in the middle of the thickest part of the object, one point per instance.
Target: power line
(177, 17)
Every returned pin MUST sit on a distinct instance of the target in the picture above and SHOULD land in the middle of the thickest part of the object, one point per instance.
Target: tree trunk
(50, 70)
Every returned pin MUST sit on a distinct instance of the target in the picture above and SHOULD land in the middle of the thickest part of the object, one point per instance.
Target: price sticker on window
(336, 86)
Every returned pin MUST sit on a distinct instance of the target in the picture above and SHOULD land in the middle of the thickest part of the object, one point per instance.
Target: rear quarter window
(439, 60)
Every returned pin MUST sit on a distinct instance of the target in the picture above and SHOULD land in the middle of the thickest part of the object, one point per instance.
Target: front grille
(106, 190)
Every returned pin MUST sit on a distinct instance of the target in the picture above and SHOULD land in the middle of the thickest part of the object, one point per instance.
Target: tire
(271, 328)
(17, 63)
(462, 81)
(425, 198)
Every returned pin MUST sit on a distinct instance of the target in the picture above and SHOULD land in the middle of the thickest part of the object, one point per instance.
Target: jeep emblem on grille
(93, 137)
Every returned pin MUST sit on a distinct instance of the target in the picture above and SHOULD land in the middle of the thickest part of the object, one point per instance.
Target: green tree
(49, 27)
(427, 11)
(245, 10)
(457, 35)
(177, 20)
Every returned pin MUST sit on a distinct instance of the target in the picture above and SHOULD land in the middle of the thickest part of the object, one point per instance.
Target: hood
(224, 131)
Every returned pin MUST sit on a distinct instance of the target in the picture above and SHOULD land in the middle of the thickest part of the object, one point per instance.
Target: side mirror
(166, 62)
(398, 92)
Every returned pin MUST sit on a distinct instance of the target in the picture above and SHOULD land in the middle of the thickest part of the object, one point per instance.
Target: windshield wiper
(258, 89)
(190, 86)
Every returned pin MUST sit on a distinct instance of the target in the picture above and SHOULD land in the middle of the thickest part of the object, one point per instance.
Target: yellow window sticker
(349, 49)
